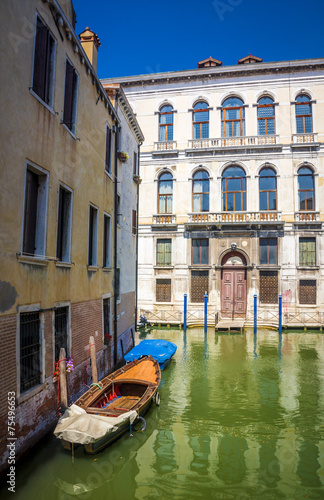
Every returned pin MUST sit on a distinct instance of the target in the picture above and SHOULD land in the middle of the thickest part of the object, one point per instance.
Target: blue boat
(161, 350)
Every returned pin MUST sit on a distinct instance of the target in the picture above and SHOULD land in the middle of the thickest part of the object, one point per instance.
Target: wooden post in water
(93, 358)
(62, 375)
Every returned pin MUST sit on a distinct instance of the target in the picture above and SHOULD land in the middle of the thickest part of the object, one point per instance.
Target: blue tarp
(161, 350)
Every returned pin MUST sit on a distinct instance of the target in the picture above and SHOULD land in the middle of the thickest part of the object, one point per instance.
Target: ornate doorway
(233, 293)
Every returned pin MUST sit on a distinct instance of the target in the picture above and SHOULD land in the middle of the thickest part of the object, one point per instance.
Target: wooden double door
(233, 299)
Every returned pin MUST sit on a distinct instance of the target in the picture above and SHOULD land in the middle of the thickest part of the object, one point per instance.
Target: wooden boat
(129, 391)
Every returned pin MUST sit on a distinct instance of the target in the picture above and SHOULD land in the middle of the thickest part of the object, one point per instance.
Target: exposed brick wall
(86, 320)
(37, 415)
(8, 332)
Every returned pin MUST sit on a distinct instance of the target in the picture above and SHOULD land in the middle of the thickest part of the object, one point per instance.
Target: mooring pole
(205, 312)
(255, 313)
(92, 349)
(280, 313)
(185, 312)
(62, 375)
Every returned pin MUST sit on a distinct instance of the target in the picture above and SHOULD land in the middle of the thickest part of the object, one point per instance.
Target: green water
(240, 417)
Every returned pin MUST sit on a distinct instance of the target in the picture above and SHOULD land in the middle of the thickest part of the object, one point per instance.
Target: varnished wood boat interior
(129, 388)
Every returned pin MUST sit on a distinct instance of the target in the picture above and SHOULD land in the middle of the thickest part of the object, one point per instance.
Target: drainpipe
(136, 256)
(115, 234)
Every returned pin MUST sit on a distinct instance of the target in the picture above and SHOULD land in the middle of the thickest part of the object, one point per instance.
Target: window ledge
(63, 264)
(308, 268)
(107, 269)
(163, 267)
(199, 266)
(92, 269)
(39, 99)
(29, 259)
(108, 174)
(70, 131)
(32, 392)
(268, 267)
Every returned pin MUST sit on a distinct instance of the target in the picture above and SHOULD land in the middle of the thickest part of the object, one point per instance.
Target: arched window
(200, 192)
(234, 189)
(266, 116)
(233, 119)
(303, 114)
(200, 120)
(165, 193)
(166, 123)
(268, 189)
(306, 196)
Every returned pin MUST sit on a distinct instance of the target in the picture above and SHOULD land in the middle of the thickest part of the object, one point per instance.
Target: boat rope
(95, 383)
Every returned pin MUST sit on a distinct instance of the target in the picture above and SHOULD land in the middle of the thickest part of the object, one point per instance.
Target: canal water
(241, 416)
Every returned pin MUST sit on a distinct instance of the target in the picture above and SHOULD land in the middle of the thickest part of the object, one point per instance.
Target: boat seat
(124, 402)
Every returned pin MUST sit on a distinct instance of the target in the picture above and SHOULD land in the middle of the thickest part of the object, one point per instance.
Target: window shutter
(68, 96)
(135, 164)
(40, 60)
(91, 221)
(59, 243)
(30, 212)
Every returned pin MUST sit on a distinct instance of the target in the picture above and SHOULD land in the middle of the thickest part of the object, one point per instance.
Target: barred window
(307, 251)
(163, 252)
(61, 331)
(268, 287)
(163, 290)
(199, 285)
(30, 351)
(200, 120)
(307, 292)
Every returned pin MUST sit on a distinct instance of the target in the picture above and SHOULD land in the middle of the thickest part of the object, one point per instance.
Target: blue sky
(155, 36)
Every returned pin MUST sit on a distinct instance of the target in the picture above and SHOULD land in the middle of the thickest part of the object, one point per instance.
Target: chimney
(90, 43)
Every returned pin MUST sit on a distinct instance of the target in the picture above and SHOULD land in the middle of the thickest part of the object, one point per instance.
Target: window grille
(30, 372)
(268, 287)
(61, 331)
(163, 290)
(307, 292)
(199, 285)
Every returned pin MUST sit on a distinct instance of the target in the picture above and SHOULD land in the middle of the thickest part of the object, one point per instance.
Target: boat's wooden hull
(141, 407)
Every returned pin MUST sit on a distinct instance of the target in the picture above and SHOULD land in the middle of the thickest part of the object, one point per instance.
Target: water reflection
(240, 417)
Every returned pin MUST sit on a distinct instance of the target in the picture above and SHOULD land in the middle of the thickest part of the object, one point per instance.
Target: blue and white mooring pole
(280, 313)
(255, 313)
(205, 312)
(185, 312)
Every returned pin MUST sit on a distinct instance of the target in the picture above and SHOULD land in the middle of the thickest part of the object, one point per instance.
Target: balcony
(234, 142)
(307, 216)
(233, 217)
(302, 140)
(165, 147)
(164, 220)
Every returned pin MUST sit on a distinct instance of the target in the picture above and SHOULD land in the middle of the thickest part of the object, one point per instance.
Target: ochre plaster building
(59, 175)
